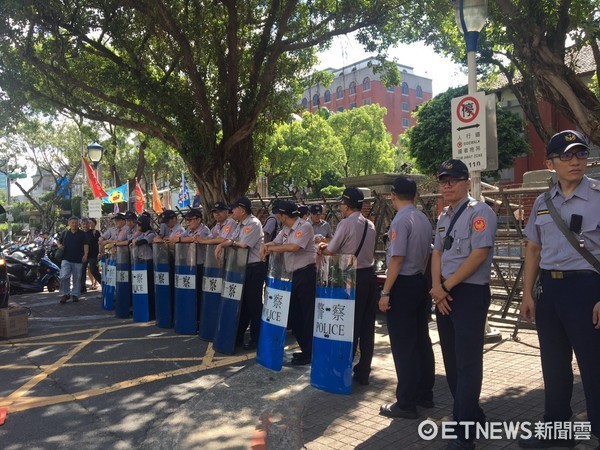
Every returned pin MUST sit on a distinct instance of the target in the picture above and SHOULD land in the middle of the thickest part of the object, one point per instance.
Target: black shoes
(394, 411)
(301, 359)
(536, 442)
(75, 299)
(427, 404)
(250, 345)
(361, 379)
(64, 299)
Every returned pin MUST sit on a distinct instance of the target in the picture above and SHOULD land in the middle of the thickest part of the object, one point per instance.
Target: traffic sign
(469, 130)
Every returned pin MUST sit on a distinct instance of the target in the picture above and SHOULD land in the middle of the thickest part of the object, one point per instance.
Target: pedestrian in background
(73, 242)
(461, 266)
(91, 265)
(567, 313)
(321, 228)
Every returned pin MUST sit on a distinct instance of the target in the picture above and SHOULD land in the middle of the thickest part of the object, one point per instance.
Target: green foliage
(430, 140)
(332, 191)
(367, 144)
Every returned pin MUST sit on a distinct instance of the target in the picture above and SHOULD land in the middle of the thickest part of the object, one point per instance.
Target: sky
(425, 62)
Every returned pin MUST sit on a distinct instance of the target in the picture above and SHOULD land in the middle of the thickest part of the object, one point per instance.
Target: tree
(299, 153)
(203, 77)
(367, 144)
(525, 41)
(431, 138)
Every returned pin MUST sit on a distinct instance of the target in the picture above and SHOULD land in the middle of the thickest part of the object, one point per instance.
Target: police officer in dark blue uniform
(460, 269)
(567, 312)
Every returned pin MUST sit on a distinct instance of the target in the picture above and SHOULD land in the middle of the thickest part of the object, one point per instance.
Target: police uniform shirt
(176, 231)
(557, 253)
(323, 228)
(125, 233)
(111, 234)
(145, 251)
(203, 232)
(348, 235)
(410, 236)
(250, 232)
(271, 225)
(225, 230)
(475, 228)
(301, 234)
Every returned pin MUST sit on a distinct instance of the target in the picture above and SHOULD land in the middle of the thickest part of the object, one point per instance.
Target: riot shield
(123, 289)
(142, 287)
(185, 289)
(334, 324)
(162, 287)
(230, 305)
(109, 279)
(212, 287)
(271, 341)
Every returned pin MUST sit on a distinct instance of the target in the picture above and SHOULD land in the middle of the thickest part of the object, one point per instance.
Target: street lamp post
(471, 16)
(95, 153)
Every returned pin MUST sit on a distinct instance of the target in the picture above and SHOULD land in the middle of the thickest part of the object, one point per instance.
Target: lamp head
(95, 152)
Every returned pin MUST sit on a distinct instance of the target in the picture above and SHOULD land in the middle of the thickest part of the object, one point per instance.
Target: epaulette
(595, 185)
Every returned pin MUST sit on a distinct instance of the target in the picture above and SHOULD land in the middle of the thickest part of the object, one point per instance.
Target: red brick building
(356, 85)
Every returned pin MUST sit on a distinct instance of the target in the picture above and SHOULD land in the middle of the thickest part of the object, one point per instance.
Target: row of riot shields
(333, 324)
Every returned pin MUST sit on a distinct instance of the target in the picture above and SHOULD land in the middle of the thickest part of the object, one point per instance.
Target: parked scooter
(30, 270)
(4, 283)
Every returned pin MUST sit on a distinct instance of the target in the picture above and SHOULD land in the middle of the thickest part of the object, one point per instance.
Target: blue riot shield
(123, 288)
(334, 324)
(230, 305)
(185, 289)
(109, 279)
(276, 307)
(142, 287)
(162, 287)
(212, 287)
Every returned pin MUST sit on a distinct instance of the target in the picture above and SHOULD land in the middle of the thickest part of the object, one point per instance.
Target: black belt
(255, 264)
(560, 274)
(310, 266)
(364, 269)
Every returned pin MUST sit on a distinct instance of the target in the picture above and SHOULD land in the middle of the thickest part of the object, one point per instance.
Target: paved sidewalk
(248, 406)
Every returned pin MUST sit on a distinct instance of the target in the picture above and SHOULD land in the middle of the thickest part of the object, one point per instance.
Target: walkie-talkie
(575, 227)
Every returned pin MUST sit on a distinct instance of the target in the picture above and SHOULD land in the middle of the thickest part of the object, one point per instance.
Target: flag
(156, 206)
(184, 195)
(116, 195)
(139, 198)
(94, 184)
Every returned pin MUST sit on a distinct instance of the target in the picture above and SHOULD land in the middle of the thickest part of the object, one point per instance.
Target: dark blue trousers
(461, 338)
(302, 306)
(252, 301)
(365, 310)
(409, 338)
(564, 324)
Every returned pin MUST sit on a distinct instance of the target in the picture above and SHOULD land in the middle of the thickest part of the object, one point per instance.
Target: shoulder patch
(542, 212)
(247, 230)
(299, 234)
(393, 235)
(227, 228)
(479, 224)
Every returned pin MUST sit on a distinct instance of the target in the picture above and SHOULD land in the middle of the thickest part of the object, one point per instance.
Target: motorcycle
(4, 283)
(30, 270)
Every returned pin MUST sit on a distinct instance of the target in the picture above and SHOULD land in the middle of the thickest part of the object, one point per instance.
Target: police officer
(567, 312)
(171, 230)
(248, 234)
(321, 228)
(296, 241)
(127, 232)
(460, 269)
(356, 234)
(406, 301)
(142, 240)
(272, 225)
(303, 210)
(111, 235)
(224, 226)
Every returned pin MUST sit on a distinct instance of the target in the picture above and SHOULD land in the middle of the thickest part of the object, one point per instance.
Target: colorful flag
(156, 206)
(184, 195)
(139, 198)
(116, 195)
(94, 184)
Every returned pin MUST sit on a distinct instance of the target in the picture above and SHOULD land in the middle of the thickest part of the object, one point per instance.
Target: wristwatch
(384, 294)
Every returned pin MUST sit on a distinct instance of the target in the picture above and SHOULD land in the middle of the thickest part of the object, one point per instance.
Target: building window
(404, 106)
(367, 101)
(340, 109)
(366, 84)
(352, 105)
(327, 96)
(352, 88)
(404, 88)
(305, 103)
(419, 92)
(405, 123)
(339, 93)
(315, 100)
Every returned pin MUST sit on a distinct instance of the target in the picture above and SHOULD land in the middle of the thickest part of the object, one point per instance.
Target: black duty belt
(561, 274)
(310, 266)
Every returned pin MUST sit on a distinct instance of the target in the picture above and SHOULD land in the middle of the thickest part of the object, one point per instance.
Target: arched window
(419, 92)
(315, 100)
(352, 88)
(305, 103)
(404, 88)
(327, 96)
(339, 93)
(366, 84)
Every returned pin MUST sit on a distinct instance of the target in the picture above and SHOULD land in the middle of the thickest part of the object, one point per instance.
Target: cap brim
(577, 144)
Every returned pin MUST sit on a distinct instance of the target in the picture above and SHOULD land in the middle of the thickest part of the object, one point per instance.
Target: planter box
(13, 321)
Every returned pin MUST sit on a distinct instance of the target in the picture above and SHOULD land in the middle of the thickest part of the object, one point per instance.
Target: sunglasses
(568, 156)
